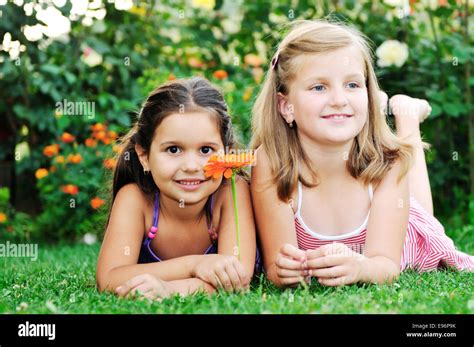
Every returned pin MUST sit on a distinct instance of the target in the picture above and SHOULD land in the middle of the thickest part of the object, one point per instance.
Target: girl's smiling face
(327, 98)
(181, 146)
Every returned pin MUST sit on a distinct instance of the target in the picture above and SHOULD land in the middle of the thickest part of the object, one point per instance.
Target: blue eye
(206, 150)
(353, 84)
(318, 88)
(173, 149)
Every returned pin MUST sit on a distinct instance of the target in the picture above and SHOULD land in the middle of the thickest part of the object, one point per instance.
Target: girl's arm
(336, 264)
(120, 249)
(282, 259)
(386, 230)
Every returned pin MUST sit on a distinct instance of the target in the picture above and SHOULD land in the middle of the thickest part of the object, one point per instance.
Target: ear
(285, 108)
(142, 156)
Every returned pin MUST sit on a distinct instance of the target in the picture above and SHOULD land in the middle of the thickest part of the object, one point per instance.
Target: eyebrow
(179, 143)
(325, 78)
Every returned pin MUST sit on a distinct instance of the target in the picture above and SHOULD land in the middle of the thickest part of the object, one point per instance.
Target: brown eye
(206, 150)
(173, 149)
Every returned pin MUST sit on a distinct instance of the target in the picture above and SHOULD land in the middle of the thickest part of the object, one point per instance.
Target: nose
(192, 163)
(338, 98)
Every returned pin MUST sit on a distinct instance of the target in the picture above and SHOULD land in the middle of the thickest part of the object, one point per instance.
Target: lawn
(62, 280)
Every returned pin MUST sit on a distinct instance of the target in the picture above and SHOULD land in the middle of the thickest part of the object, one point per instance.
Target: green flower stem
(236, 212)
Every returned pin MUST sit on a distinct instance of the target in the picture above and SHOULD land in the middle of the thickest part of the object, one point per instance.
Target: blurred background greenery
(108, 55)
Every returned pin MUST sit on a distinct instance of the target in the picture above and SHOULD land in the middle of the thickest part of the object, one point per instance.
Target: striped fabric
(426, 245)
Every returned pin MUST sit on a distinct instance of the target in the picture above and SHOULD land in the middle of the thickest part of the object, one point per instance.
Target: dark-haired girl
(171, 229)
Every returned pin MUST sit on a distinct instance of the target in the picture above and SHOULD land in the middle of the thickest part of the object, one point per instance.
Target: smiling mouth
(337, 116)
(190, 182)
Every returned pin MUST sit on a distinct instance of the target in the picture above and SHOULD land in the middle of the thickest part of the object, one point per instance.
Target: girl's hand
(145, 285)
(291, 265)
(335, 264)
(405, 106)
(222, 271)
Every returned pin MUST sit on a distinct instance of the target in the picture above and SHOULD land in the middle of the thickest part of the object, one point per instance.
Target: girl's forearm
(379, 270)
(167, 270)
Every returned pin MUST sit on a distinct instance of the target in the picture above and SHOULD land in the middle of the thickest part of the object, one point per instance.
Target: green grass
(62, 280)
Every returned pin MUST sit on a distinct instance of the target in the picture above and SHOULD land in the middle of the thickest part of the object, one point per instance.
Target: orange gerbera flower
(3, 217)
(219, 165)
(97, 202)
(67, 138)
(51, 150)
(41, 173)
(70, 189)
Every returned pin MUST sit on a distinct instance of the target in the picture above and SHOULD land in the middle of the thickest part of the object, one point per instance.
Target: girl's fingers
(291, 273)
(336, 271)
(288, 263)
(326, 261)
(233, 276)
(244, 278)
(224, 279)
(290, 281)
(293, 252)
(334, 282)
(131, 283)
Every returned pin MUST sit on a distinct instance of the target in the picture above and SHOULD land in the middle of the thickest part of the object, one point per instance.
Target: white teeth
(189, 183)
(338, 117)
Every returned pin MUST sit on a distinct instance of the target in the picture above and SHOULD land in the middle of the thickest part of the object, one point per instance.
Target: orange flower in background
(171, 77)
(110, 163)
(90, 142)
(74, 158)
(97, 203)
(67, 138)
(220, 74)
(253, 60)
(98, 127)
(3, 217)
(51, 150)
(70, 189)
(52, 169)
(41, 173)
(112, 134)
(100, 135)
(106, 140)
(226, 164)
(59, 159)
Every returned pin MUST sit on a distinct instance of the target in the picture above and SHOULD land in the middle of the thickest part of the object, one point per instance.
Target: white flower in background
(79, 7)
(18, 2)
(3, 2)
(28, 8)
(56, 24)
(392, 52)
(89, 239)
(33, 33)
(59, 3)
(394, 3)
(123, 5)
(12, 47)
(432, 4)
(91, 58)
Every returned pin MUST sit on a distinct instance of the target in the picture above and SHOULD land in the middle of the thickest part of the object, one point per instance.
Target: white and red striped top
(426, 245)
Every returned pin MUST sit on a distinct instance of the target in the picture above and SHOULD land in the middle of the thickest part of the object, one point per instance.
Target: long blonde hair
(374, 149)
